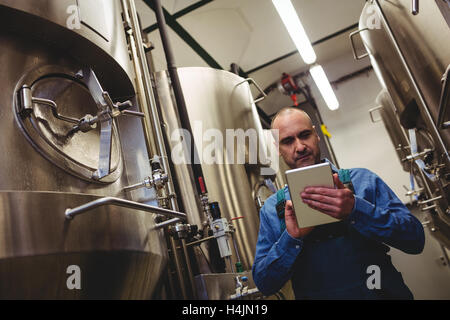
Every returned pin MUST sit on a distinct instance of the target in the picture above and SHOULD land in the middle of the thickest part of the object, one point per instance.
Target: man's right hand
(291, 222)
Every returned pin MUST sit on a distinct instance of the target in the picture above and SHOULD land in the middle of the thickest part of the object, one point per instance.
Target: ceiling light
(321, 80)
(295, 29)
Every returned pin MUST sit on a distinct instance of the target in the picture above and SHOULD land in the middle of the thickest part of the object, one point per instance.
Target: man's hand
(291, 222)
(337, 203)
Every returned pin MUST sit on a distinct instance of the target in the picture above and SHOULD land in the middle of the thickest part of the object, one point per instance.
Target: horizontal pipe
(200, 241)
(71, 213)
(166, 223)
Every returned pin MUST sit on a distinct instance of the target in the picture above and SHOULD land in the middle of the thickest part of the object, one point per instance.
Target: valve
(157, 179)
(183, 231)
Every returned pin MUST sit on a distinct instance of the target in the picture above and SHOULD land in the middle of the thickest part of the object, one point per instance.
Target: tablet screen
(300, 178)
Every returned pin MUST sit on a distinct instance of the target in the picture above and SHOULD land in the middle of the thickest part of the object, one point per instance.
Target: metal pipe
(166, 223)
(415, 7)
(429, 200)
(154, 114)
(151, 122)
(188, 263)
(200, 241)
(178, 92)
(140, 90)
(71, 213)
(182, 111)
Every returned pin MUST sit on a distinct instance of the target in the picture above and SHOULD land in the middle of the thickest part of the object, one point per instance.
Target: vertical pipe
(188, 263)
(152, 125)
(140, 90)
(154, 114)
(415, 7)
(182, 111)
(178, 92)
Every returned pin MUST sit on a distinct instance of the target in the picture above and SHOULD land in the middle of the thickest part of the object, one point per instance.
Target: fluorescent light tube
(295, 29)
(321, 80)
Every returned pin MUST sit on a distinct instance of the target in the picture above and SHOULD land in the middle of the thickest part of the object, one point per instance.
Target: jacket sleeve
(386, 219)
(275, 256)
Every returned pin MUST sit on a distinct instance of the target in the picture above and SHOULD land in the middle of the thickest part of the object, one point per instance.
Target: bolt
(79, 75)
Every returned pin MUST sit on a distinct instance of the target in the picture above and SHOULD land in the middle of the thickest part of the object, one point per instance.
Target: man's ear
(315, 131)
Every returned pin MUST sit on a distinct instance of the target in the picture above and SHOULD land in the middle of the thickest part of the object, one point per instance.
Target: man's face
(298, 140)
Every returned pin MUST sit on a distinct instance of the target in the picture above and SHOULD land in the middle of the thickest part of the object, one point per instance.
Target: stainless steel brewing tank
(421, 39)
(395, 131)
(217, 100)
(46, 170)
(410, 56)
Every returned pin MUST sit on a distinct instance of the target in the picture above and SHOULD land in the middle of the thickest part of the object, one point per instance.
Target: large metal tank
(395, 131)
(218, 101)
(408, 52)
(47, 168)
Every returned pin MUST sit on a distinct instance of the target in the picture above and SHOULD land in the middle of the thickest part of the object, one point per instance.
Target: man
(342, 260)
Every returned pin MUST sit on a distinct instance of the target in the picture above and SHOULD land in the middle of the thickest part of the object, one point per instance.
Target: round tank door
(49, 110)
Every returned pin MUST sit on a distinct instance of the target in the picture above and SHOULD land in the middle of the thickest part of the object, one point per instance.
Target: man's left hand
(337, 203)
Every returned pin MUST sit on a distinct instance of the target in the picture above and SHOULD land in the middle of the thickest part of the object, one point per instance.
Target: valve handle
(124, 105)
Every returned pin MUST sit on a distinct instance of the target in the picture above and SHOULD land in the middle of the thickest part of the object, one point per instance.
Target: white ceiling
(250, 33)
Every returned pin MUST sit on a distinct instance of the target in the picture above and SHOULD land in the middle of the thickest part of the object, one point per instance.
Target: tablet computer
(300, 178)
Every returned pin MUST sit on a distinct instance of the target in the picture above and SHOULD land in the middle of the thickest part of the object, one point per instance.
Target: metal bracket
(371, 113)
(250, 81)
(355, 55)
(107, 111)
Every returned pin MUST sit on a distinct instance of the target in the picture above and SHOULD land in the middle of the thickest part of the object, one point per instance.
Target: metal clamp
(371, 113)
(444, 100)
(71, 213)
(107, 111)
(250, 81)
(355, 55)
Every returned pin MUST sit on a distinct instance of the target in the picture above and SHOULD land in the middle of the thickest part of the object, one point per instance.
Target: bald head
(287, 111)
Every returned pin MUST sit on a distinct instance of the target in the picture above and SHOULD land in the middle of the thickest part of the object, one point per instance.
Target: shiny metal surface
(25, 60)
(77, 152)
(394, 129)
(151, 123)
(120, 252)
(97, 40)
(409, 58)
(116, 249)
(217, 100)
(411, 67)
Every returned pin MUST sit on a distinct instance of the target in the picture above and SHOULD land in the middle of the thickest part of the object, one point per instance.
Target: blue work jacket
(341, 267)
